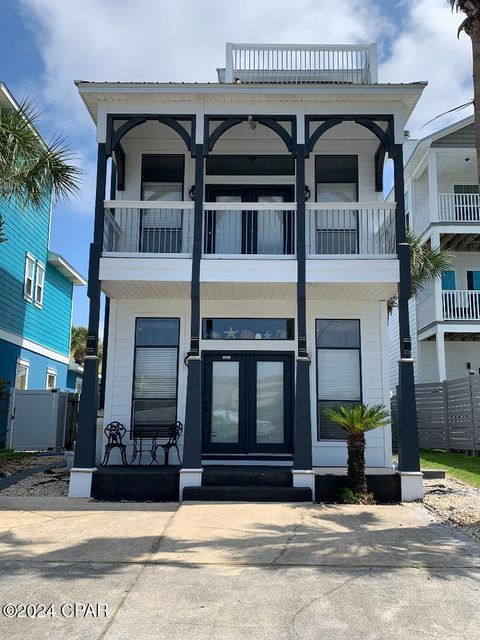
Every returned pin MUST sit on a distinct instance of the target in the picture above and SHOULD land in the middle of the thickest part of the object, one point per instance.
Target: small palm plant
(357, 420)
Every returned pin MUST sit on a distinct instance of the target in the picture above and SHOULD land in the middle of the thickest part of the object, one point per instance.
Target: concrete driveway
(233, 571)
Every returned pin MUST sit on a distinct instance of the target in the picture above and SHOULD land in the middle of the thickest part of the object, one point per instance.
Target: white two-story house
(247, 256)
(442, 206)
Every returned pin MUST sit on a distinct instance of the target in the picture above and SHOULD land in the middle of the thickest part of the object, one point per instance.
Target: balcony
(461, 305)
(300, 64)
(249, 230)
(452, 208)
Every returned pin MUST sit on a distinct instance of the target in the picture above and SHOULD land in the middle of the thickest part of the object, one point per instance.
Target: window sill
(38, 304)
(27, 298)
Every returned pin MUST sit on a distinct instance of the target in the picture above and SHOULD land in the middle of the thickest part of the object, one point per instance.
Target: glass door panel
(225, 402)
(270, 228)
(228, 227)
(270, 418)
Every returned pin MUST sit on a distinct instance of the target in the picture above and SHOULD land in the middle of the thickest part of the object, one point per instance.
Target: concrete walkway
(235, 571)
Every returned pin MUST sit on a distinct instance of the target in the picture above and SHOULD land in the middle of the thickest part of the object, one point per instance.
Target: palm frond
(31, 169)
(359, 417)
(426, 263)
(2, 235)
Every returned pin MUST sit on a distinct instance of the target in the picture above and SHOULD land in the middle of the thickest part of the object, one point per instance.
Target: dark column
(192, 442)
(87, 419)
(106, 320)
(408, 452)
(302, 458)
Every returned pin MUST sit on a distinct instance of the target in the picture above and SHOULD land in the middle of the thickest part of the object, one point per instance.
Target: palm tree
(357, 420)
(30, 169)
(471, 26)
(78, 345)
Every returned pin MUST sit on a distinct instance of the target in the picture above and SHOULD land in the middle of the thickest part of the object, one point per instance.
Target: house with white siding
(442, 206)
(247, 256)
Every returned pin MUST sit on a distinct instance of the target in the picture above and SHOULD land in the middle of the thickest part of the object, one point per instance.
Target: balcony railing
(300, 64)
(351, 229)
(421, 219)
(148, 227)
(461, 305)
(249, 228)
(458, 207)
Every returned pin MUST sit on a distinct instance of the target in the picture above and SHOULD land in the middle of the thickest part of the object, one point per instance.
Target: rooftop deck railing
(300, 64)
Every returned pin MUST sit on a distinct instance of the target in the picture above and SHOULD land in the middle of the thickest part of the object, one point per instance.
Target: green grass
(6, 455)
(458, 465)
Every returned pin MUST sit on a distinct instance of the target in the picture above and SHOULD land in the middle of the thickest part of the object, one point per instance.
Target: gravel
(50, 480)
(456, 503)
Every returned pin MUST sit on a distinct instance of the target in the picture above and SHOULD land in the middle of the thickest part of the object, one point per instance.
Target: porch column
(433, 185)
(84, 460)
(191, 472)
(408, 451)
(440, 350)
(303, 476)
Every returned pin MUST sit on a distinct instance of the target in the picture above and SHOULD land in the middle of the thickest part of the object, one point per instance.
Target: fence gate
(38, 420)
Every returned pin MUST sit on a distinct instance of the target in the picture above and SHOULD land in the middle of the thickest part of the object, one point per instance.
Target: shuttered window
(338, 371)
(156, 367)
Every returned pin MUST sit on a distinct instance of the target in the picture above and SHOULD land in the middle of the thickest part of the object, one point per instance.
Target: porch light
(191, 192)
(308, 193)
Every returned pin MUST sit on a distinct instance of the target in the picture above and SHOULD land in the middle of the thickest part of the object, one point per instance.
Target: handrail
(249, 206)
(353, 206)
(148, 204)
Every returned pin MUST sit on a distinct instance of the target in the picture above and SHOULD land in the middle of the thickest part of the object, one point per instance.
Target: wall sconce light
(252, 123)
(468, 366)
(191, 192)
(308, 193)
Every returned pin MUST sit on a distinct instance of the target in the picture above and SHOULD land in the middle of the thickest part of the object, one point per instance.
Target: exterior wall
(465, 261)
(27, 230)
(457, 354)
(394, 344)
(72, 378)
(373, 318)
(37, 371)
(462, 138)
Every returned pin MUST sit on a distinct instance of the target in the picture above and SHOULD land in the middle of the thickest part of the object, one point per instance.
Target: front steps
(247, 484)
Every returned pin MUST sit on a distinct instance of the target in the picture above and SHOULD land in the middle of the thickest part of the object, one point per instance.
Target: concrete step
(247, 494)
(246, 476)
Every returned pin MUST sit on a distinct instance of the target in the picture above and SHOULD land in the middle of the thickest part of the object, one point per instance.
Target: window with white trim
(338, 371)
(39, 284)
(51, 382)
(21, 375)
(29, 275)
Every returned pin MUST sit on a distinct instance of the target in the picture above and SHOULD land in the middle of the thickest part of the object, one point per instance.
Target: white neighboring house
(248, 256)
(442, 205)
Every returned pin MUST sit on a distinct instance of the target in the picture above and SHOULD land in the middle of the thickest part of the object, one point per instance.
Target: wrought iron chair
(172, 435)
(115, 432)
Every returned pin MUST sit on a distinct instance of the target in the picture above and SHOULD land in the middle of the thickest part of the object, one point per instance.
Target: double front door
(249, 231)
(248, 403)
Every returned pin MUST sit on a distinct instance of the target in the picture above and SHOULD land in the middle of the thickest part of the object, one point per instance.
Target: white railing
(249, 228)
(158, 227)
(421, 220)
(300, 63)
(350, 229)
(458, 207)
(461, 305)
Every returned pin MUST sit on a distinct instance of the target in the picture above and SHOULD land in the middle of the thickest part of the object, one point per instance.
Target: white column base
(189, 478)
(411, 485)
(304, 479)
(81, 483)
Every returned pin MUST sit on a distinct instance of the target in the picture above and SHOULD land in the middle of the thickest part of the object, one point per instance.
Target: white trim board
(33, 346)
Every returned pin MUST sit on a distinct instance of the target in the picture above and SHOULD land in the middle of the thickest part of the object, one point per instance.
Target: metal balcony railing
(356, 230)
(148, 227)
(460, 304)
(249, 228)
(300, 64)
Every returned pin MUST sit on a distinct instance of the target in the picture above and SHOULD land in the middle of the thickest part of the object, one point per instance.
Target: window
(29, 273)
(248, 329)
(338, 371)
(448, 281)
(51, 382)
(162, 179)
(238, 165)
(155, 378)
(336, 179)
(39, 284)
(21, 375)
(473, 280)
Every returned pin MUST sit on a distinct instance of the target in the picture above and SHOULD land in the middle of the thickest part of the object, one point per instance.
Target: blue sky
(47, 44)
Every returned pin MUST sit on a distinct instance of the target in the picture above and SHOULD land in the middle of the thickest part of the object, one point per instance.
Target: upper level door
(249, 231)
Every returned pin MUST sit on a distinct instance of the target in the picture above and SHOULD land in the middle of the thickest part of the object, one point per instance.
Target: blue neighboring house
(36, 299)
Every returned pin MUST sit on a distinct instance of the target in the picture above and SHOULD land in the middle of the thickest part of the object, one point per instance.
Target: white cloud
(427, 48)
